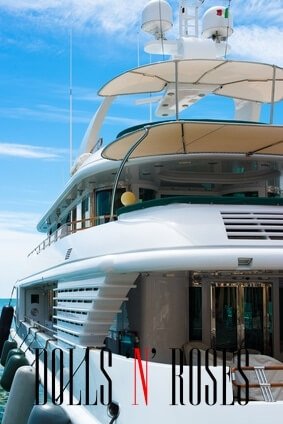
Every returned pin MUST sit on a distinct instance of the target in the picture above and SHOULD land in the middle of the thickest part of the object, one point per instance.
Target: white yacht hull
(160, 400)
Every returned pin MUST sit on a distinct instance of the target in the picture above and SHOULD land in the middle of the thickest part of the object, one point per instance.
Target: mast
(71, 97)
(189, 17)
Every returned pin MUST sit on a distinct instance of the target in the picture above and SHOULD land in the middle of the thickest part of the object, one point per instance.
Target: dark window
(103, 201)
(195, 320)
(281, 317)
(85, 205)
(34, 298)
(242, 194)
(146, 194)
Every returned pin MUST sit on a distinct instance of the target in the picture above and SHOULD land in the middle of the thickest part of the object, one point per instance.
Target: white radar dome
(157, 18)
(217, 23)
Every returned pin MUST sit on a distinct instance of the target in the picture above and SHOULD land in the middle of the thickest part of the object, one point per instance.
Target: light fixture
(245, 261)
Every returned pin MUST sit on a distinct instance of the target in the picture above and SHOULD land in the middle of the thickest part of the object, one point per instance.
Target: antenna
(71, 97)
(138, 47)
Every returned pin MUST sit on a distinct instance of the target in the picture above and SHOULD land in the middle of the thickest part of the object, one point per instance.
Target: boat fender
(5, 324)
(49, 413)
(16, 361)
(8, 345)
(21, 397)
(15, 351)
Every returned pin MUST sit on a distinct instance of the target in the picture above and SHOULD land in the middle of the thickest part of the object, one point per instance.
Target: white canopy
(242, 80)
(187, 137)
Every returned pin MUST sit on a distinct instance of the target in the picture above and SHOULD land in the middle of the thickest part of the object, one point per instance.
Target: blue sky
(34, 87)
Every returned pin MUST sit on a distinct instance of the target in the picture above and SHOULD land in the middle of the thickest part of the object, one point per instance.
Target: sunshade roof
(242, 80)
(179, 137)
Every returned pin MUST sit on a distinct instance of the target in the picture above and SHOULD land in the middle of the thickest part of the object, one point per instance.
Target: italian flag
(224, 12)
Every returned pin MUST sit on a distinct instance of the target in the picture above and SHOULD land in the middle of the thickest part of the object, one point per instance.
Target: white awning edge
(199, 137)
(258, 82)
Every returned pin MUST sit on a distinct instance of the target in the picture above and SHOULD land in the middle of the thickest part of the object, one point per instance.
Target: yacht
(160, 278)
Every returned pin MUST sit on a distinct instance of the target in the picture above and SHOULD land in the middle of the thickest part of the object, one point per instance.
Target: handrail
(253, 368)
(70, 228)
(37, 325)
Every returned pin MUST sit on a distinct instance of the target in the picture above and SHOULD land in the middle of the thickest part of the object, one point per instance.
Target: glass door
(226, 317)
(253, 337)
(241, 316)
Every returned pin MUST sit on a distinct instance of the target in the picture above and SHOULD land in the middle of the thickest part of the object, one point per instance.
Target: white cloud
(257, 43)
(29, 4)
(18, 237)
(24, 222)
(14, 248)
(259, 34)
(252, 11)
(29, 152)
(45, 113)
(124, 120)
(258, 30)
(109, 15)
(86, 94)
(114, 16)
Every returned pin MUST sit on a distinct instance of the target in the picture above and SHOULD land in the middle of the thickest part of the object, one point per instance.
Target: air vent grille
(253, 225)
(68, 253)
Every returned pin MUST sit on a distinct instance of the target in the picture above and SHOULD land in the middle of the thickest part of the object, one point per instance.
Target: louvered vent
(68, 253)
(253, 225)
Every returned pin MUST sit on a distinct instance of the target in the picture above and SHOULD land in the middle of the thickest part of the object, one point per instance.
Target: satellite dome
(217, 23)
(157, 18)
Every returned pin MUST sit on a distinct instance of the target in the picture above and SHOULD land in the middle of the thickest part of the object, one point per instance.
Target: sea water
(3, 394)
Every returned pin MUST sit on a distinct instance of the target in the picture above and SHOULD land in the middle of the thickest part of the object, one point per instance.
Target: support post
(126, 157)
(176, 90)
(272, 96)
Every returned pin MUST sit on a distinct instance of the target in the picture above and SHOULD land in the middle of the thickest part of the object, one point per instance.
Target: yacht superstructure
(168, 242)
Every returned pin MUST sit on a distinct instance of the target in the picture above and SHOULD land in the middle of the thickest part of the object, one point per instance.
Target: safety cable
(32, 340)
(11, 295)
(25, 338)
(17, 328)
(74, 373)
(45, 347)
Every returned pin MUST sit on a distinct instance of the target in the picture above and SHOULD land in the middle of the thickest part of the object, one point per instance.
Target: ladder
(263, 384)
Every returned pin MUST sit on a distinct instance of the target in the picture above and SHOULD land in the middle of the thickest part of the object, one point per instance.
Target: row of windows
(99, 205)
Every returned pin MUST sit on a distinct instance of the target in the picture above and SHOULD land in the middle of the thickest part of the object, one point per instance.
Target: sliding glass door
(241, 316)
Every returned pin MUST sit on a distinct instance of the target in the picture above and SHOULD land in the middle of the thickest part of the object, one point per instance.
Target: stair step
(71, 309)
(92, 340)
(107, 304)
(67, 319)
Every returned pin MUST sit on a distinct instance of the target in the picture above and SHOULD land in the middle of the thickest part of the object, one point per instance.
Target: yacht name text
(186, 388)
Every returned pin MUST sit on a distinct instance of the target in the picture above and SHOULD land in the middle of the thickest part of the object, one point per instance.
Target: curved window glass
(103, 201)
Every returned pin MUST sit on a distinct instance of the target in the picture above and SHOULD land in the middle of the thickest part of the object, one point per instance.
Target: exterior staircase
(86, 310)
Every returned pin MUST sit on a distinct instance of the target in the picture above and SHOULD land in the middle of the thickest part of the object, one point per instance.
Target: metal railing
(70, 228)
(263, 384)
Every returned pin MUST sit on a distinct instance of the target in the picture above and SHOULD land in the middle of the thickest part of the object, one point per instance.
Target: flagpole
(71, 97)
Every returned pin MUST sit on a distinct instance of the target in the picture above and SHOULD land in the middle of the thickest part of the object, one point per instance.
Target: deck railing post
(272, 95)
(176, 90)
